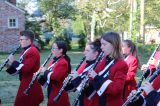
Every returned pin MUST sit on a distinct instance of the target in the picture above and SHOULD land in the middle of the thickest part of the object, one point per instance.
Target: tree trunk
(142, 35)
(93, 25)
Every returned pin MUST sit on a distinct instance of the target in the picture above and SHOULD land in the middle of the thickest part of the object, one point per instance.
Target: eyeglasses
(22, 39)
(54, 48)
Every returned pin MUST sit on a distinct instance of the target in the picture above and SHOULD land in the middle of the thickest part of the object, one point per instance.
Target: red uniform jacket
(59, 72)
(94, 100)
(116, 81)
(84, 101)
(156, 83)
(31, 64)
(157, 59)
(156, 86)
(130, 83)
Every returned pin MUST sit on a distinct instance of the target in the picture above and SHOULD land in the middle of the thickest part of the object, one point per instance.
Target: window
(13, 23)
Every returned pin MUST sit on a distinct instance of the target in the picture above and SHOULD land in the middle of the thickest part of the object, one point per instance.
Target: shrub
(82, 40)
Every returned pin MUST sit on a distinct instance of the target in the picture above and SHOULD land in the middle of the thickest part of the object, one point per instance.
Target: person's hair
(114, 39)
(62, 45)
(27, 33)
(96, 45)
(133, 50)
(131, 45)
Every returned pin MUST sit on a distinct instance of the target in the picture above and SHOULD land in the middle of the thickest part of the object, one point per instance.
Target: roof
(10, 4)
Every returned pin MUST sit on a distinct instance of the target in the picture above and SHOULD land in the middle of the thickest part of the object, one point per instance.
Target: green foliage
(56, 12)
(36, 28)
(119, 19)
(144, 53)
(77, 25)
(65, 36)
(134, 38)
(110, 15)
(146, 49)
(152, 14)
(82, 40)
(32, 25)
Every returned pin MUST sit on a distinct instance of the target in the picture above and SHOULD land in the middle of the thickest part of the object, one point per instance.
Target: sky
(32, 5)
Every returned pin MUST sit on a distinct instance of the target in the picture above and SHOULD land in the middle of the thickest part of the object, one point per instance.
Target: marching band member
(147, 99)
(29, 63)
(53, 77)
(92, 50)
(153, 62)
(109, 83)
(153, 65)
(131, 57)
(151, 98)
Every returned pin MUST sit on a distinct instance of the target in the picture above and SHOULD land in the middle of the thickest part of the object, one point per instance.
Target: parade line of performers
(104, 77)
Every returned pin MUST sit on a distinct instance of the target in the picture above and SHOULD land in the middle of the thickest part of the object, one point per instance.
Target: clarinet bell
(56, 98)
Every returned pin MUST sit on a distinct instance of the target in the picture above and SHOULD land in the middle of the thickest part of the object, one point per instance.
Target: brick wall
(9, 37)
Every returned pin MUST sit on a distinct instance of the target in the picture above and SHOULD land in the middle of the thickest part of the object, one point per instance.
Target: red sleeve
(60, 71)
(101, 64)
(117, 84)
(157, 58)
(156, 83)
(81, 68)
(31, 60)
(132, 69)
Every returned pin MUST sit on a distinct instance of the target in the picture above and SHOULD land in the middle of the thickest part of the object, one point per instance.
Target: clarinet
(36, 75)
(147, 72)
(66, 81)
(85, 80)
(7, 60)
(139, 91)
(144, 76)
(82, 86)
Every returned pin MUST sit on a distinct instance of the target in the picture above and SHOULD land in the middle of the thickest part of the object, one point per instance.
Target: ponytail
(62, 45)
(134, 50)
(69, 64)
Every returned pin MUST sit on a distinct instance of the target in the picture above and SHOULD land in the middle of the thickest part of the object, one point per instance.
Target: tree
(99, 16)
(103, 15)
(151, 17)
(22, 3)
(57, 12)
(152, 14)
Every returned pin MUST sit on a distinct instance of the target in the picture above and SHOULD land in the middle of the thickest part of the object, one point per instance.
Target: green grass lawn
(9, 84)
